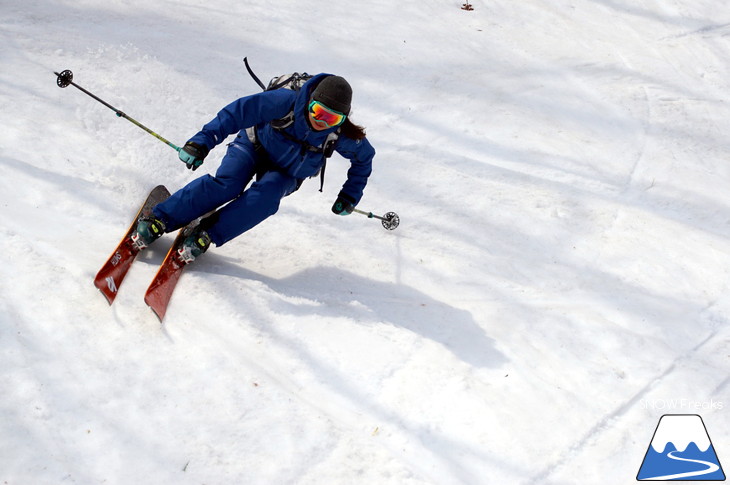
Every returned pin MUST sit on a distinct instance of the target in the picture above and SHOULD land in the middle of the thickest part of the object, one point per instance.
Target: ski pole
(390, 220)
(66, 77)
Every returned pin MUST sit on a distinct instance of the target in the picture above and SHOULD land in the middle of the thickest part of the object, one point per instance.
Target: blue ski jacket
(259, 110)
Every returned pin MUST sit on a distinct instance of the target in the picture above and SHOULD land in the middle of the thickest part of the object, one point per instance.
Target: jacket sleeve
(360, 153)
(244, 113)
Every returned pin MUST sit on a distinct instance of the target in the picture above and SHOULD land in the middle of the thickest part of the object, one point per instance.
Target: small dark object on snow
(467, 6)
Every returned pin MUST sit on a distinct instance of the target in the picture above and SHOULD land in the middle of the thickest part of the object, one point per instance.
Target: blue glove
(344, 205)
(192, 155)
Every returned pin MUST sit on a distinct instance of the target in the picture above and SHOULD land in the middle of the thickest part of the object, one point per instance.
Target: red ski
(160, 290)
(111, 275)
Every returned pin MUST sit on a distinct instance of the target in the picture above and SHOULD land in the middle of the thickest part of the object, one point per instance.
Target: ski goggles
(326, 115)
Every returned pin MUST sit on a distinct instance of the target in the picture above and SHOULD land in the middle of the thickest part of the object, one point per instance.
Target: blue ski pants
(244, 208)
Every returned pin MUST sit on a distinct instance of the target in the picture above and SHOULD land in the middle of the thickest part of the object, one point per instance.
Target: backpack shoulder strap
(328, 148)
(284, 122)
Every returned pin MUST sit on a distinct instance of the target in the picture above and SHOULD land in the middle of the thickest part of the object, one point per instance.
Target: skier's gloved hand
(344, 205)
(192, 155)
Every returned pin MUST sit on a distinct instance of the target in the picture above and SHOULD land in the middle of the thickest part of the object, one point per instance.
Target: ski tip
(109, 298)
(160, 315)
(106, 289)
(157, 307)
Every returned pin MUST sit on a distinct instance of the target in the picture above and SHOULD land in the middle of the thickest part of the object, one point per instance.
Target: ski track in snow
(606, 422)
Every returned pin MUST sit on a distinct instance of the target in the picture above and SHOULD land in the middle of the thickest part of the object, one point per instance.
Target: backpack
(294, 82)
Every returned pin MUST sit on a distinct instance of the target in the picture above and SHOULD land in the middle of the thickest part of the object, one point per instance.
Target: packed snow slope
(559, 280)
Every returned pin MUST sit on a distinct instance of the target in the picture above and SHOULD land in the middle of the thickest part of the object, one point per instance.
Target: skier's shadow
(332, 292)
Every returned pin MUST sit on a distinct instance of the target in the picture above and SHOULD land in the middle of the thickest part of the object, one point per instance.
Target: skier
(283, 137)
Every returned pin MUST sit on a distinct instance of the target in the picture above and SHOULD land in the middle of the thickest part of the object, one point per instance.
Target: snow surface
(558, 282)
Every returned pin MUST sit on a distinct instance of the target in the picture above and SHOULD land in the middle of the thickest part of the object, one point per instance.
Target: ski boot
(194, 245)
(149, 229)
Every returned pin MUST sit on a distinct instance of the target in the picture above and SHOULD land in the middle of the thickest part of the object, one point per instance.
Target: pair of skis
(158, 294)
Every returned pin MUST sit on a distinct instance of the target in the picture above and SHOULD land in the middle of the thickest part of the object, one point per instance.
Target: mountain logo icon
(681, 449)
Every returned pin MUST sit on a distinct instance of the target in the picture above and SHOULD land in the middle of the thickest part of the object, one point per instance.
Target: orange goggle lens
(328, 116)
